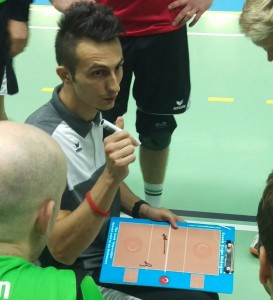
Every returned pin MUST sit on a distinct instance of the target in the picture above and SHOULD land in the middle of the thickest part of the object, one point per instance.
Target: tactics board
(194, 256)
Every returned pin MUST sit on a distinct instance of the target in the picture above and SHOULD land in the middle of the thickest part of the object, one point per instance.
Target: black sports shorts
(160, 66)
(5, 60)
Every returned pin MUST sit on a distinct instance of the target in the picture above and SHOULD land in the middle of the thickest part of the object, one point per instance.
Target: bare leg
(3, 115)
(153, 165)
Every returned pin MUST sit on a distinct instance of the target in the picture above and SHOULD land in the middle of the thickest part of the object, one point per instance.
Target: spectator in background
(13, 39)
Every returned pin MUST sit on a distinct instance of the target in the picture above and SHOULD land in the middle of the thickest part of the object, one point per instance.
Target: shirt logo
(179, 105)
(161, 125)
(77, 146)
(4, 289)
(179, 102)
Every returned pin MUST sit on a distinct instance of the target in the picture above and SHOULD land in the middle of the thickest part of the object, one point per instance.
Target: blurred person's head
(33, 178)
(265, 226)
(256, 22)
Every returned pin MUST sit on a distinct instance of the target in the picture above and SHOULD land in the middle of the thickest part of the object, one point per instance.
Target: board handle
(229, 259)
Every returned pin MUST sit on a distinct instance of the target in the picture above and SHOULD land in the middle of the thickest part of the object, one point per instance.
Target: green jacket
(21, 280)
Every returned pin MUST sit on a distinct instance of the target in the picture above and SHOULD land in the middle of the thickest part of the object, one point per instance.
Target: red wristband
(94, 207)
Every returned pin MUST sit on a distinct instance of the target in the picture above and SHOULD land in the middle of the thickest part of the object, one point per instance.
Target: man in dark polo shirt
(90, 59)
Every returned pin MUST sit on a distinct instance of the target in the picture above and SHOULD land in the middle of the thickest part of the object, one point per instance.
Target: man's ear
(64, 74)
(265, 270)
(45, 215)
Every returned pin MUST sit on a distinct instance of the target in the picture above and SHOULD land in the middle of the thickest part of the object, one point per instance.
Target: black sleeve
(19, 9)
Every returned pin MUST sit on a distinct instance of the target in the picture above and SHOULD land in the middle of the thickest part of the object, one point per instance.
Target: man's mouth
(110, 99)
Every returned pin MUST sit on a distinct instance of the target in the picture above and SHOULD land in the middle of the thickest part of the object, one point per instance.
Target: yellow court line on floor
(47, 90)
(220, 99)
(269, 101)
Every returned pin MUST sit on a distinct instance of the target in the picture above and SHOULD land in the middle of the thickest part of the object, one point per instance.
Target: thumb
(120, 122)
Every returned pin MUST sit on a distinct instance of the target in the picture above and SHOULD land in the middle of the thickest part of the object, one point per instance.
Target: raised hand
(119, 151)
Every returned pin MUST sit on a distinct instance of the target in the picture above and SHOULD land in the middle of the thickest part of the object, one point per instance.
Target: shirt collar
(79, 125)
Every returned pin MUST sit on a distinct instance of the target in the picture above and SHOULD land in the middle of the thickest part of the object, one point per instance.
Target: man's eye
(98, 73)
(119, 67)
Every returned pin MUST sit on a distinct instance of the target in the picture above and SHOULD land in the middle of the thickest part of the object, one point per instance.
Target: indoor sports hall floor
(221, 152)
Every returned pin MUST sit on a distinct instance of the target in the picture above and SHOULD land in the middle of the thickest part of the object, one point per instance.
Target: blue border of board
(222, 283)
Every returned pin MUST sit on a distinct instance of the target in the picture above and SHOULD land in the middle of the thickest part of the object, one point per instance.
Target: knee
(155, 131)
(156, 140)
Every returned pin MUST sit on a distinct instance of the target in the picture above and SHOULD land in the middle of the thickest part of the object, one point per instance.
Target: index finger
(195, 19)
(177, 3)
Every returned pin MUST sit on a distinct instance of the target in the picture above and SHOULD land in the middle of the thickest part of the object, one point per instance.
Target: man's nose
(113, 84)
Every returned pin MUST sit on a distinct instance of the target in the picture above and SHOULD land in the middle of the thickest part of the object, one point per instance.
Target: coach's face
(267, 45)
(98, 73)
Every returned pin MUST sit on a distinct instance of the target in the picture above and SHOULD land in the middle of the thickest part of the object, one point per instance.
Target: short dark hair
(84, 20)
(265, 218)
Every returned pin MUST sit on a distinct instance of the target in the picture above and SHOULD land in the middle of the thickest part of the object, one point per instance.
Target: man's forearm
(128, 199)
(75, 231)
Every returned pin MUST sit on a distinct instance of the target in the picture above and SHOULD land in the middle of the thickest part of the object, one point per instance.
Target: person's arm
(188, 9)
(75, 231)
(128, 199)
(18, 15)
(145, 211)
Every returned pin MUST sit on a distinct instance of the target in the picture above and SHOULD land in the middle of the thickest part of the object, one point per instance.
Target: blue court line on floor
(218, 5)
(227, 5)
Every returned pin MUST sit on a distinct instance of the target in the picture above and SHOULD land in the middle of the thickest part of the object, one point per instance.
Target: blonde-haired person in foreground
(33, 178)
(256, 22)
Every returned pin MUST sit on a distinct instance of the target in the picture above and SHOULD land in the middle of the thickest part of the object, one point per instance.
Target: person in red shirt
(155, 49)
